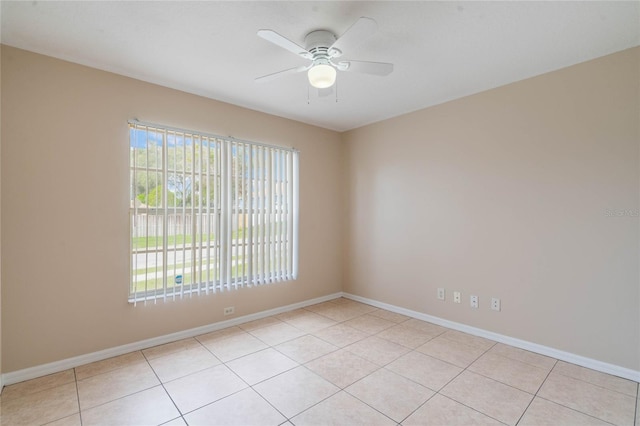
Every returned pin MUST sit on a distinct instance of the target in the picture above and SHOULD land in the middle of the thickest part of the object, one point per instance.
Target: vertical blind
(209, 213)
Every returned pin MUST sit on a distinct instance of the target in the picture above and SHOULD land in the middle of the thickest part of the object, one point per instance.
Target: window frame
(255, 185)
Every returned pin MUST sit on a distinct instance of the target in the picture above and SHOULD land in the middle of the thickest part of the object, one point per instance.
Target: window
(209, 213)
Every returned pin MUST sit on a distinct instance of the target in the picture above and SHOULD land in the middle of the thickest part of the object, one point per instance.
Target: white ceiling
(441, 50)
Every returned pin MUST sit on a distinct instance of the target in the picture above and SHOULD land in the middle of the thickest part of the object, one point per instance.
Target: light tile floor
(339, 362)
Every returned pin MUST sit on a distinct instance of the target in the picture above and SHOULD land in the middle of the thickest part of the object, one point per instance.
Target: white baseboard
(57, 366)
(603, 367)
(65, 364)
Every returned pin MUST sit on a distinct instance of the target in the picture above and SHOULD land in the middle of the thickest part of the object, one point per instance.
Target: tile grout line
(521, 361)
(583, 381)
(599, 386)
(390, 362)
(121, 397)
(536, 393)
(163, 387)
(312, 359)
(636, 421)
(270, 404)
(419, 406)
(459, 374)
(574, 410)
(392, 372)
(457, 402)
(113, 369)
(343, 389)
(434, 391)
(340, 347)
(249, 386)
(75, 380)
(223, 363)
(502, 383)
(371, 406)
(289, 419)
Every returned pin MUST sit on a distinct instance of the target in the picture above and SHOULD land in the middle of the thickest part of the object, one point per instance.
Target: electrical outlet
(230, 310)
(456, 297)
(441, 294)
(495, 304)
(473, 302)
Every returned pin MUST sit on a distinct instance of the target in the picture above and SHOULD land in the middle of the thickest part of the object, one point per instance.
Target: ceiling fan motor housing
(318, 43)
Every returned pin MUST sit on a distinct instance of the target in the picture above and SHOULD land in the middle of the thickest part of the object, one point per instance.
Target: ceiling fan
(323, 49)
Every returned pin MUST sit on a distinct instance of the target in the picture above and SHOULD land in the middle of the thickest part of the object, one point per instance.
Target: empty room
(319, 213)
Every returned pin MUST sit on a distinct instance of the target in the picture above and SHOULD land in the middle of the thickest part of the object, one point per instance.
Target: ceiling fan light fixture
(322, 76)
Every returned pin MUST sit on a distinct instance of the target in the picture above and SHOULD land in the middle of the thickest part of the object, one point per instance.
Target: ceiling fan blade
(360, 30)
(285, 43)
(375, 68)
(279, 74)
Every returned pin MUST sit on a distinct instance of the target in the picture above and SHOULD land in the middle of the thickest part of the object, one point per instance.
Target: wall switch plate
(441, 294)
(230, 310)
(456, 297)
(473, 302)
(495, 304)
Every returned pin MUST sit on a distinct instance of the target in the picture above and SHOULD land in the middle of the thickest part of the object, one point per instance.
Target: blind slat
(250, 219)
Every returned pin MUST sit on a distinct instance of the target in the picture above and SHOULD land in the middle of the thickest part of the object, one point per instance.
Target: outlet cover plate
(456, 297)
(441, 294)
(473, 302)
(495, 304)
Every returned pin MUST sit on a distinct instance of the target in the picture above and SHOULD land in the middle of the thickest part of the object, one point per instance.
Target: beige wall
(505, 194)
(65, 209)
